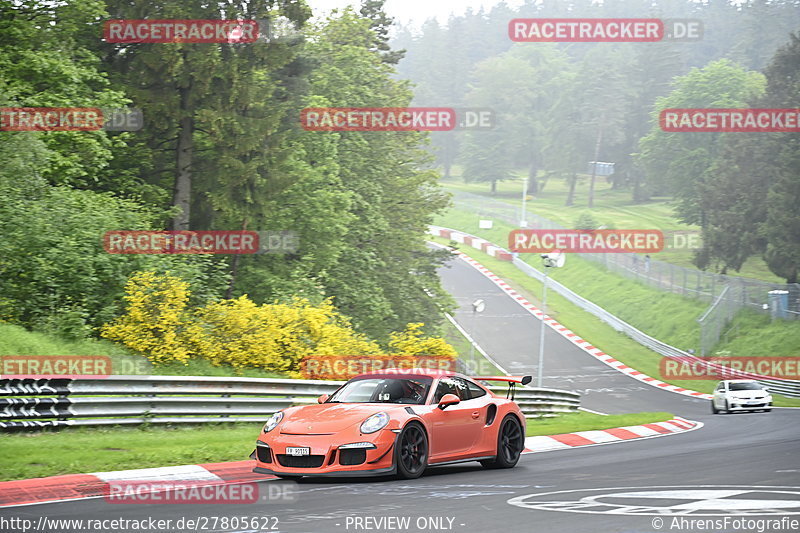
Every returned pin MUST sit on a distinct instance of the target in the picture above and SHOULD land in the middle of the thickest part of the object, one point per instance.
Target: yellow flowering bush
(275, 337)
(154, 323)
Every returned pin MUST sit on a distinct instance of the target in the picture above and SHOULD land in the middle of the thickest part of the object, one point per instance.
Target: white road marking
(704, 500)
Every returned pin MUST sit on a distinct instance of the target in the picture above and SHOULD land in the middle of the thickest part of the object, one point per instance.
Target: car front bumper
(746, 406)
(326, 457)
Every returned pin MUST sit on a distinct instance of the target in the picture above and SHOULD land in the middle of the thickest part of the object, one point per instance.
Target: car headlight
(374, 423)
(273, 421)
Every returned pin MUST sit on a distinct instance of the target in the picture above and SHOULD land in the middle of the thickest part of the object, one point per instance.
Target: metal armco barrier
(127, 400)
(786, 387)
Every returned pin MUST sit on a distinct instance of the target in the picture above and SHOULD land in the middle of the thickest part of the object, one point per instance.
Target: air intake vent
(264, 454)
(303, 461)
(352, 457)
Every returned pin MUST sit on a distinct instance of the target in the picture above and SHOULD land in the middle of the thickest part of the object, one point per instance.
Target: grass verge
(611, 206)
(16, 340)
(81, 450)
(583, 421)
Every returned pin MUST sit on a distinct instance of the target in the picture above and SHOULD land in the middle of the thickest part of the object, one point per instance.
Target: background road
(510, 335)
(747, 451)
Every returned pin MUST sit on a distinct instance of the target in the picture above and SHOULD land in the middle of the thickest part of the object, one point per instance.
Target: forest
(558, 106)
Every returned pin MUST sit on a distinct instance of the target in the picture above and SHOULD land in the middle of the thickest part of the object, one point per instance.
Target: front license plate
(296, 451)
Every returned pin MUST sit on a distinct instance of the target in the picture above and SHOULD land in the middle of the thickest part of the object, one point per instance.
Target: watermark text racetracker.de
(347, 366)
(604, 30)
(754, 120)
(395, 118)
(70, 119)
(70, 366)
(585, 241)
(55, 366)
(730, 367)
(180, 31)
(200, 242)
(199, 492)
(602, 240)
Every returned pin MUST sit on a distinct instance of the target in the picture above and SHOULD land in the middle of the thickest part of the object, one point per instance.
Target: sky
(416, 11)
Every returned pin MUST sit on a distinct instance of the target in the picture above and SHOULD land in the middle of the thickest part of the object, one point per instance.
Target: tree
(782, 225)
(521, 87)
(733, 198)
(45, 62)
(649, 76)
(385, 269)
(598, 105)
(380, 25)
(752, 189)
(677, 164)
(200, 95)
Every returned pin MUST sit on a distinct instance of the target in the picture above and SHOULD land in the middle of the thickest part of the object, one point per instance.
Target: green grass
(611, 206)
(201, 367)
(583, 421)
(589, 327)
(82, 450)
(755, 335)
(15, 340)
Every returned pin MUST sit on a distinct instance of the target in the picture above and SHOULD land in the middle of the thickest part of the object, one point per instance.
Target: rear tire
(411, 452)
(510, 443)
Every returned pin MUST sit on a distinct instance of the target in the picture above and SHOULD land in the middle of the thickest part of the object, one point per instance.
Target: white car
(740, 395)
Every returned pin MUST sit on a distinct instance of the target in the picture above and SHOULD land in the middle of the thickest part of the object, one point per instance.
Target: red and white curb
(471, 240)
(583, 344)
(86, 486)
(609, 436)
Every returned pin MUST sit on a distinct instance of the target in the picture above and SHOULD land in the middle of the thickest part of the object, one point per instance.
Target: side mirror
(447, 400)
(323, 398)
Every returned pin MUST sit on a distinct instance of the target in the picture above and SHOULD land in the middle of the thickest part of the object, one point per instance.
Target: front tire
(714, 409)
(510, 443)
(411, 452)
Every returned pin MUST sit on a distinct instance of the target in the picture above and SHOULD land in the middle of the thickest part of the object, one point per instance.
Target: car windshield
(412, 390)
(746, 386)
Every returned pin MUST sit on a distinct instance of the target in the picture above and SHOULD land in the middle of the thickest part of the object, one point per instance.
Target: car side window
(474, 390)
(721, 387)
(451, 385)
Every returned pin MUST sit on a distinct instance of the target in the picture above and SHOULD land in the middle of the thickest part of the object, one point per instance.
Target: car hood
(328, 418)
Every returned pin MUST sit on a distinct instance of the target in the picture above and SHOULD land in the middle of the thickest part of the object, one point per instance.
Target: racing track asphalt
(743, 450)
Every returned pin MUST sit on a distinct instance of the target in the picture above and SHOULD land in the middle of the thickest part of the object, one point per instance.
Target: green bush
(55, 275)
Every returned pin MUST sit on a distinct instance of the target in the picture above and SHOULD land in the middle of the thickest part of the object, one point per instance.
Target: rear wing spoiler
(511, 380)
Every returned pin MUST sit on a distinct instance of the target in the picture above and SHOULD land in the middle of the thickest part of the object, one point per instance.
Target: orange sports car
(395, 422)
